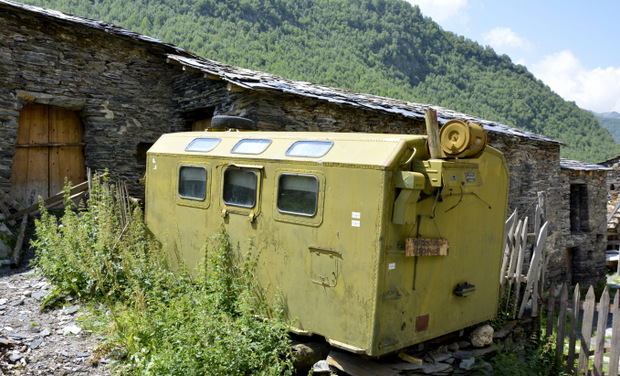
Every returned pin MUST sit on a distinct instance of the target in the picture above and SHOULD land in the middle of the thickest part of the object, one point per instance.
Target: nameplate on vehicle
(427, 247)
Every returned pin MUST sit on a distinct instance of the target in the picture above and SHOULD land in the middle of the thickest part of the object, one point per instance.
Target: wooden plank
(29, 170)
(427, 247)
(513, 261)
(559, 343)
(52, 200)
(65, 161)
(510, 222)
(533, 272)
(614, 356)
(5, 211)
(574, 323)
(17, 251)
(51, 144)
(586, 331)
(432, 130)
(357, 366)
(599, 343)
(411, 359)
(10, 200)
(550, 314)
(519, 266)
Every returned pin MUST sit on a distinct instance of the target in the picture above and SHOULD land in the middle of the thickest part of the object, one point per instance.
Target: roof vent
(226, 122)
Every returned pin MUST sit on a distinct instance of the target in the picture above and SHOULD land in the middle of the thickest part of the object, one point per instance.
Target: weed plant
(160, 322)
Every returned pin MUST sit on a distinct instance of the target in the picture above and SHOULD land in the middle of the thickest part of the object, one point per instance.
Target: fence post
(508, 241)
(513, 261)
(550, 312)
(534, 272)
(559, 343)
(599, 343)
(570, 362)
(586, 331)
(519, 266)
(615, 337)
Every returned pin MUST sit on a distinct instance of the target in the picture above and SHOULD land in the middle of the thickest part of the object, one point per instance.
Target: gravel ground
(42, 343)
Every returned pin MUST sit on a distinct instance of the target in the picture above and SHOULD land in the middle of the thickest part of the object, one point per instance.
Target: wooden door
(49, 148)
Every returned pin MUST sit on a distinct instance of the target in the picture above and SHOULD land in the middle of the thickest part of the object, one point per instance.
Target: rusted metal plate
(427, 247)
(421, 323)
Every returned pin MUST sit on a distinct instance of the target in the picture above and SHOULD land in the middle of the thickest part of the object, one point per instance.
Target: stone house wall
(534, 165)
(583, 225)
(127, 95)
(120, 88)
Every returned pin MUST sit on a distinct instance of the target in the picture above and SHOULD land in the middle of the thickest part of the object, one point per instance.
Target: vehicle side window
(193, 182)
(298, 194)
(240, 187)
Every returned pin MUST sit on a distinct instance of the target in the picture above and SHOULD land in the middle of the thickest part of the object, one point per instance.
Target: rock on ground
(42, 343)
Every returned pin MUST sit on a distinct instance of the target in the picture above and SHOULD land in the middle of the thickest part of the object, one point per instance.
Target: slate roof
(569, 164)
(256, 80)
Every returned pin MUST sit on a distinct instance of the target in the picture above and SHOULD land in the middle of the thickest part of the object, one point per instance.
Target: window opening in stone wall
(198, 119)
(298, 194)
(240, 187)
(193, 182)
(579, 216)
(141, 150)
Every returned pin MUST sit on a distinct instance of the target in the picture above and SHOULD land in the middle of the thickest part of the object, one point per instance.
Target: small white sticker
(154, 160)
(355, 215)
(355, 223)
(392, 266)
(155, 167)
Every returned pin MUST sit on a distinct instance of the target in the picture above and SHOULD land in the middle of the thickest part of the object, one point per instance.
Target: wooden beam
(54, 200)
(213, 77)
(432, 129)
(17, 251)
(234, 88)
(10, 200)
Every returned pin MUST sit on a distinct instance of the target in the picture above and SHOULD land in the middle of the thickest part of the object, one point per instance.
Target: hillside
(382, 47)
(611, 122)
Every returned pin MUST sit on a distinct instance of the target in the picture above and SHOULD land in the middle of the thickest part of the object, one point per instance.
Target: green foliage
(611, 122)
(158, 321)
(87, 254)
(530, 361)
(382, 47)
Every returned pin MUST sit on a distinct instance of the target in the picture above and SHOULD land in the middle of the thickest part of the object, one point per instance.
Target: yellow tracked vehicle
(369, 241)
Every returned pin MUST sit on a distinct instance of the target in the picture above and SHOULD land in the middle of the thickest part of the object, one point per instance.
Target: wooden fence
(572, 320)
(515, 250)
(580, 316)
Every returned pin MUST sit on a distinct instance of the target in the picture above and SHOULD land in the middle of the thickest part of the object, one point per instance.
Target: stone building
(584, 221)
(77, 93)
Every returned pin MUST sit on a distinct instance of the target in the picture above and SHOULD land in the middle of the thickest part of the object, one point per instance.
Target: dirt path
(42, 343)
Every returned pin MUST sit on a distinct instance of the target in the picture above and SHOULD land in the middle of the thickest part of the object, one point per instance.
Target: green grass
(157, 321)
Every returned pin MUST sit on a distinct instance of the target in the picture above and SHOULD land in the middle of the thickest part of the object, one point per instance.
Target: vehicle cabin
(367, 241)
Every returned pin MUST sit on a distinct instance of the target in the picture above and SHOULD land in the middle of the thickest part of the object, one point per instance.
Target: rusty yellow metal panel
(331, 215)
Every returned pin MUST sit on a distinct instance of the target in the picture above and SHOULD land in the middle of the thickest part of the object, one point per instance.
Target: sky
(572, 46)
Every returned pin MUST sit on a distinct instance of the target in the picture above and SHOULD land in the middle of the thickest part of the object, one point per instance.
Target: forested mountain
(611, 122)
(382, 47)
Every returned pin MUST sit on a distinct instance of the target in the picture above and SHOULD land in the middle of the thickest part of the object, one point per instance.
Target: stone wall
(127, 95)
(534, 165)
(584, 235)
(120, 88)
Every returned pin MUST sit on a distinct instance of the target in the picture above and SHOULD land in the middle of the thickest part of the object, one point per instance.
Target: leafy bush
(161, 322)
